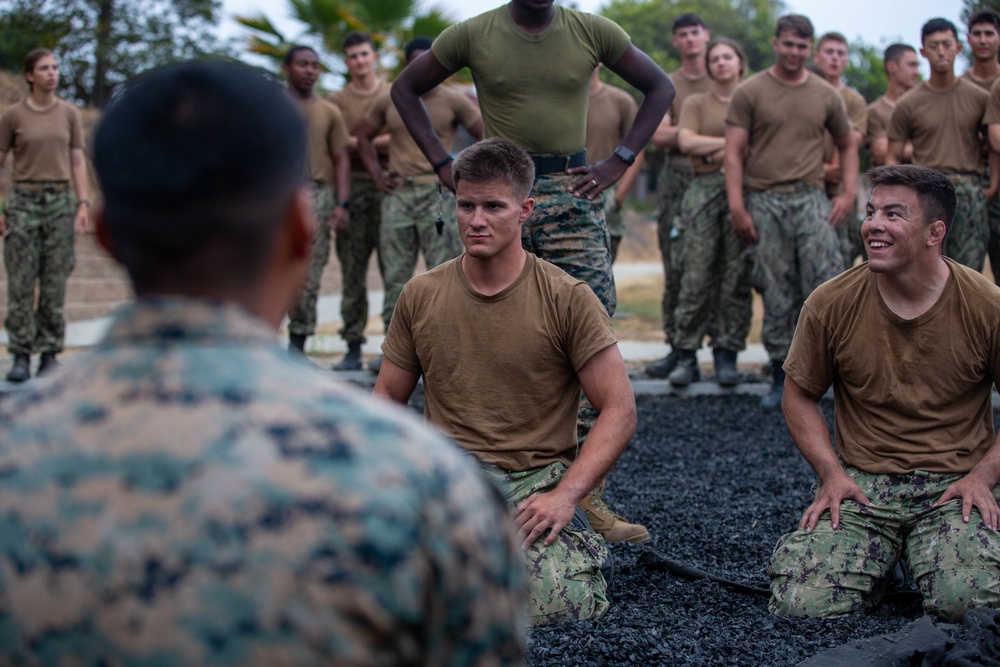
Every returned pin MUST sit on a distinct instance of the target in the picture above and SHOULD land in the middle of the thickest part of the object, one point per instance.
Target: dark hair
(832, 37)
(894, 52)
(198, 163)
(357, 37)
(798, 25)
(32, 59)
(417, 44)
(290, 54)
(720, 41)
(935, 192)
(937, 25)
(689, 20)
(495, 159)
(985, 15)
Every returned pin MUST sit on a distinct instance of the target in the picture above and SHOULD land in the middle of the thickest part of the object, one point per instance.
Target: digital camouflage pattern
(354, 250)
(836, 572)
(188, 493)
(969, 233)
(673, 181)
(571, 233)
(302, 316)
(852, 246)
(714, 297)
(565, 579)
(38, 251)
(613, 218)
(798, 251)
(409, 227)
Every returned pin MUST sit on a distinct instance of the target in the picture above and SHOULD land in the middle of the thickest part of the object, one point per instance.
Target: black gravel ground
(717, 482)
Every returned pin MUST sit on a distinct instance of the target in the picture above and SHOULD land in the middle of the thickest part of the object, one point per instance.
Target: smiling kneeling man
(505, 341)
(910, 341)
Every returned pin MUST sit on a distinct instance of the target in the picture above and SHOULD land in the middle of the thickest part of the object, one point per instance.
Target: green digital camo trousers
(38, 251)
(302, 316)
(714, 296)
(969, 234)
(613, 216)
(797, 251)
(673, 181)
(571, 233)
(835, 572)
(354, 249)
(565, 579)
(852, 246)
(409, 217)
(994, 242)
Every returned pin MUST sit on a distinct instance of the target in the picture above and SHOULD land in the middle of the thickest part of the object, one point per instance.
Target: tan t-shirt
(909, 394)
(985, 85)
(787, 126)
(705, 114)
(609, 118)
(327, 133)
(41, 140)
(943, 126)
(353, 106)
(684, 88)
(992, 116)
(533, 88)
(447, 108)
(879, 113)
(500, 372)
(857, 112)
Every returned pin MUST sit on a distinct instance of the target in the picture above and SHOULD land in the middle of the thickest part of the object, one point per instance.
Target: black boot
(686, 370)
(772, 401)
(47, 362)
(663, 367)
(726, 373)
(351, 360)
(21, 370)
(297, 343)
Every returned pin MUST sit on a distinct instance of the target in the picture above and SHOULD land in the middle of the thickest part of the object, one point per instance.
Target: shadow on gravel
(717, 482)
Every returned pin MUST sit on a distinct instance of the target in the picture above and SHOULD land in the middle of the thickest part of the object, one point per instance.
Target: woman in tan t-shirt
(714, 297)
(41, 213)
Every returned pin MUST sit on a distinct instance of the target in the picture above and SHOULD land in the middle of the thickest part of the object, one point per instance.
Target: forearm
(699, 144)
(369, 157)
(81, 181)
(658, 93)
(381, 143)
(879, 149)
(418, 78)
(895, 153)
(809, 430)
(342, 174)
(849, 166)
(604, 446)
(734, 181)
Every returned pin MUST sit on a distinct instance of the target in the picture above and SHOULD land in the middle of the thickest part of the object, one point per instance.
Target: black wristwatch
(344, 204)
(625, 155)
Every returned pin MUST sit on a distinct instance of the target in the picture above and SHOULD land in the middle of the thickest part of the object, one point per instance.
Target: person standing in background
(902, 67)
(48, 203)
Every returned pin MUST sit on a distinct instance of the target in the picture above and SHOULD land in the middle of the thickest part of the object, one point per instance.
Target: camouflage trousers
(836, 572)
(798, 250)
(673, 181)
(571, 233)
(409, 226)
(969, 234)
(613, 216)
(302, 316)
(993, 246)
(714, 295)
(354, 250)
(565, 578)
(38, 251)
(852, 246)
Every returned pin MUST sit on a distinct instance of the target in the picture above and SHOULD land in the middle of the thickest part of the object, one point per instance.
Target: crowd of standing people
(191, 493)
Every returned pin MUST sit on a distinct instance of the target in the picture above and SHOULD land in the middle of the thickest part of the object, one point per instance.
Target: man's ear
(936, 232)
(103, 234)
(527, 206)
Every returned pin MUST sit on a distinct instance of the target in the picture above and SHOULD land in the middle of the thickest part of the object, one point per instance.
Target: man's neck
(913, 292)
(942, 81)
(494, 275)
(792, 79)
(725, 90)
(693, 67)
(985, 70)
(895, 91)
(834, 80)
(531, 21)
(297, 94)
(365, 83)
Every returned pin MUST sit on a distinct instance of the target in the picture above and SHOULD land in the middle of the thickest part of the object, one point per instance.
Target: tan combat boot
(611, 526)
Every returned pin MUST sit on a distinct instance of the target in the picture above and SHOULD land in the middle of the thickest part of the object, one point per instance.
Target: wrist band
(441, 164)
(85, 202)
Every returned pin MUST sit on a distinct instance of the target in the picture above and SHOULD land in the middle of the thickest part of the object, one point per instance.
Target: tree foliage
(101, 43)
(865, 70)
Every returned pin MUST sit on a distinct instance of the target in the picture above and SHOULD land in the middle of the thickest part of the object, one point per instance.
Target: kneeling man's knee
(949, 594)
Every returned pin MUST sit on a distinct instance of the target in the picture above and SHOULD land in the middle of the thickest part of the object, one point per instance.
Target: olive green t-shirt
(705, 114)
(908, 394)
(684, 88)
(41, 140)
(533, 89)
(353, 107)
(787, 126)
(943, 126)
(609, 119)
(447, 108)
(326, 134)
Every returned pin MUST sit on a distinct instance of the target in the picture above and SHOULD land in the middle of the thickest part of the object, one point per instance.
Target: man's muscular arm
(395, 383)
(845, 203)
(737, 140)
(606, 384)
(809, 430)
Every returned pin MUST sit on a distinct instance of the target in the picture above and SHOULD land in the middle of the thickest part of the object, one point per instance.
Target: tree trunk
(101, 92)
